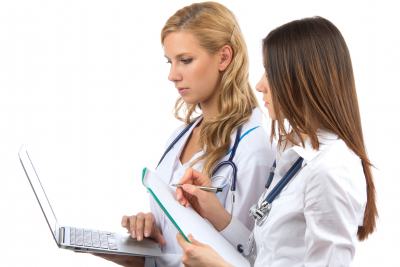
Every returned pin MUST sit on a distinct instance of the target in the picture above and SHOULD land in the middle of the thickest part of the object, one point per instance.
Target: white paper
(190, 222)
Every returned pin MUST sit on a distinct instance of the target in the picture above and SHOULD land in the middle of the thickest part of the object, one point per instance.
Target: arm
(331, 204)
(252, 166)
(198, 254)
(131, 261)
(206, 204)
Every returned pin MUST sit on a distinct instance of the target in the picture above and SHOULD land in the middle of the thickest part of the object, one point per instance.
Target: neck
(209, 112)
(209, 108)
(304, 136)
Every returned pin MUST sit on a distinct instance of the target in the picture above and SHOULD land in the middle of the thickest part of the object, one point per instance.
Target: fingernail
(178, 196)
(124, 224)
(133, 233)
(181, 202)
(146, 234)
(139, 237)
(187, 187)
(187, 205)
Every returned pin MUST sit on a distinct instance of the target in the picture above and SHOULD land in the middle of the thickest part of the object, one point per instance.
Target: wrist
(221, 220)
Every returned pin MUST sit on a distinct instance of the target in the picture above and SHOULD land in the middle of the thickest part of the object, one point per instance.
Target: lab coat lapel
(166, 167)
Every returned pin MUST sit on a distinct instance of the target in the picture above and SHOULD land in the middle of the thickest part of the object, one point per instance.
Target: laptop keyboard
(92, 239)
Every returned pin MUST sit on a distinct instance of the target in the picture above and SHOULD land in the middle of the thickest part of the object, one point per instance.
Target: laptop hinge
(62, 234)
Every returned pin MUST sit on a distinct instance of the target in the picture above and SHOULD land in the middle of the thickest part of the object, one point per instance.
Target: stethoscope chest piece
(260, 213)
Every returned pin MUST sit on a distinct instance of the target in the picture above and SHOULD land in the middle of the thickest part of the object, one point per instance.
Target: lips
(182, 90)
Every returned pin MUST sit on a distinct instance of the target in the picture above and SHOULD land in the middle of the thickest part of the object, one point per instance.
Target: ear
(225, 56)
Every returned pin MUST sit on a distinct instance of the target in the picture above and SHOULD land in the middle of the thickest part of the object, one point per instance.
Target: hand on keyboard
(143, 225)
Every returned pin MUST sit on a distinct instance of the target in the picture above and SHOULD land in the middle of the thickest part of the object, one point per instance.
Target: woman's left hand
(123, 260)
(198, 254)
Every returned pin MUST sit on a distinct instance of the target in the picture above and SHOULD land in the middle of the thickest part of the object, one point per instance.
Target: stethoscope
(260, 211)
(223, 163)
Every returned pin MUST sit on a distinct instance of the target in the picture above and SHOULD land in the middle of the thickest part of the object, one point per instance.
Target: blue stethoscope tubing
(175, 141)
(261, 212)
(228, 162)
(284, 181)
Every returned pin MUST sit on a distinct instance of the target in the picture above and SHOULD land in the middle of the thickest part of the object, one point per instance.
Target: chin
(272, 116)
(190, 101)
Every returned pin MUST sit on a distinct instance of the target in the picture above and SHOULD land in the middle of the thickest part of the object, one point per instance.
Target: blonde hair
(214, 26)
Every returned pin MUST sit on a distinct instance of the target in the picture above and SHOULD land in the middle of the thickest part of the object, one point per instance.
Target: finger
(195, 242)
(181, 241)
(179, 193)
(148, 224)
(159, 237)
(195, 191)
(124, 222)
(139, 226)
(183, 197)
(189, 198)
(192, 176)
(132, 225)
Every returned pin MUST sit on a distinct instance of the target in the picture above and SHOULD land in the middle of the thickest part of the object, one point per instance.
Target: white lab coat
(314, 220)
(254, 158)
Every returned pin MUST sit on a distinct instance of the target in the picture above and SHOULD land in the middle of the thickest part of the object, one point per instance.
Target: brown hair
(312, 86)
(214, 26)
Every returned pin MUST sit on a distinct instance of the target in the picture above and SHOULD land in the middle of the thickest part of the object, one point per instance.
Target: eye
(186, 61)
(168, 62)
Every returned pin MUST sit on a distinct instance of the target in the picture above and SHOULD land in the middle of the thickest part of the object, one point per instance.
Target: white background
(84, 86)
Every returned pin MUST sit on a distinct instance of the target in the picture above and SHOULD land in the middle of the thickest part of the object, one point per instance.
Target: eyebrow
(179, 55)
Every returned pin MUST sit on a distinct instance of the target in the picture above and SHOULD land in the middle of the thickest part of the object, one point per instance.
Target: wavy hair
(214, 26)
(311, 79)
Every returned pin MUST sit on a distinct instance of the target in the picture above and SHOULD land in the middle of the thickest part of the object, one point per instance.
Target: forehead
(177, 43)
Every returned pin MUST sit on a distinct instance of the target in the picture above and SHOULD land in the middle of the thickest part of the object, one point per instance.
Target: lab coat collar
(181, 143)
(254, 121)
(325, 139)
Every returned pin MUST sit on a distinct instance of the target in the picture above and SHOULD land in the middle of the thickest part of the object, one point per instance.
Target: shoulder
(174, 134)
(337, 158)
(255, 140)
(337, 168)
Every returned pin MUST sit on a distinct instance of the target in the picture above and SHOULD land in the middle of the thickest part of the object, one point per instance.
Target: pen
(205, 188)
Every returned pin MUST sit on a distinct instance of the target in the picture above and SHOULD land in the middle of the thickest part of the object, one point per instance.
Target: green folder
(162, 206)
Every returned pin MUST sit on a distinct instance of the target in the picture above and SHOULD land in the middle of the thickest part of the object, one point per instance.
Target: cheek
(207, 77)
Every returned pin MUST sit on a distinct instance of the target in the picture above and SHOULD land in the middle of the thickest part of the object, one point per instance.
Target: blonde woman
(209, 68)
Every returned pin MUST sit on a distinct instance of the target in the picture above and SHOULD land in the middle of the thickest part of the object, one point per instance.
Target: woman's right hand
(143, 225)
(138, 225)
(206, 204)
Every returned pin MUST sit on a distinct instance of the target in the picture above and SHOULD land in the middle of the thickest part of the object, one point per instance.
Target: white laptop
(83, 239)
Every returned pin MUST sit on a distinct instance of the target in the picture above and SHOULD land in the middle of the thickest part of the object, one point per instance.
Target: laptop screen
(39, 192)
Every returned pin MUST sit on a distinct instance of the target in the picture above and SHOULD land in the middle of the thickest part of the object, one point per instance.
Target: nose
(259, 85)
(174, 75)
